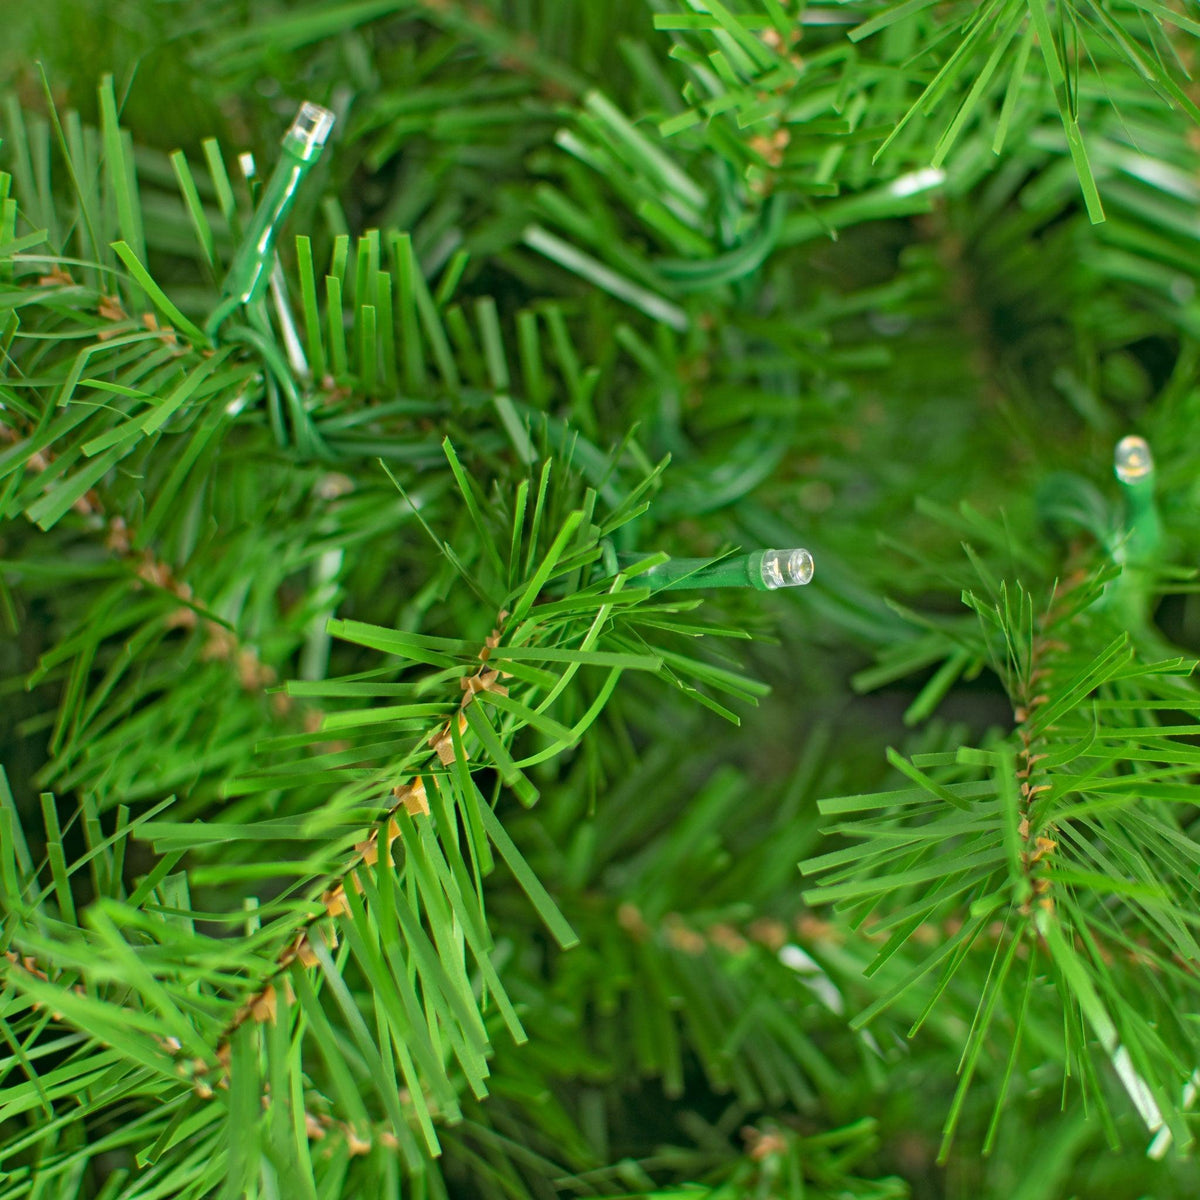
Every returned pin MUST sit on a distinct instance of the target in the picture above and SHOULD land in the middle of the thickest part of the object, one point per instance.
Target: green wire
(279, 376)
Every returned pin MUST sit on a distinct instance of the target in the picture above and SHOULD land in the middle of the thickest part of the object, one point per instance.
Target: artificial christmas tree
(432, 765)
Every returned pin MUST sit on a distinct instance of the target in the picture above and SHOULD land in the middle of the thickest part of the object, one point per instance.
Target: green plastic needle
(250, 271)
(764, 570)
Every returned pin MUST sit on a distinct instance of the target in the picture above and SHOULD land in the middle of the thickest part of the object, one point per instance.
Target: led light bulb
(250, 268)
(1132, 460)
(786, 568)
(309, 131)
(763, 570)
(1140, 540)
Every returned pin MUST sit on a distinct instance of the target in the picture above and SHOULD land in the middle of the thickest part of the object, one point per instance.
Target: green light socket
(250, 270)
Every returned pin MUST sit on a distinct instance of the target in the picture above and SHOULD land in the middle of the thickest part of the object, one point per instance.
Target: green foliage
(369, 825)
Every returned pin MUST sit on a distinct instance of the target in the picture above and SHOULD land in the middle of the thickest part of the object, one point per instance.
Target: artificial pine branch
(837, 267)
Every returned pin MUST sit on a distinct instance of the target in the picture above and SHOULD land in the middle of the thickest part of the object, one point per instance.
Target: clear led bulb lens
(1132, 459)
(786, 568)
(311, 128)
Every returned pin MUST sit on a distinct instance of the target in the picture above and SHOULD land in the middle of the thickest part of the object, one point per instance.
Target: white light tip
(312, 125)
(787, 568)
(1132, 459)
(917, 181)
